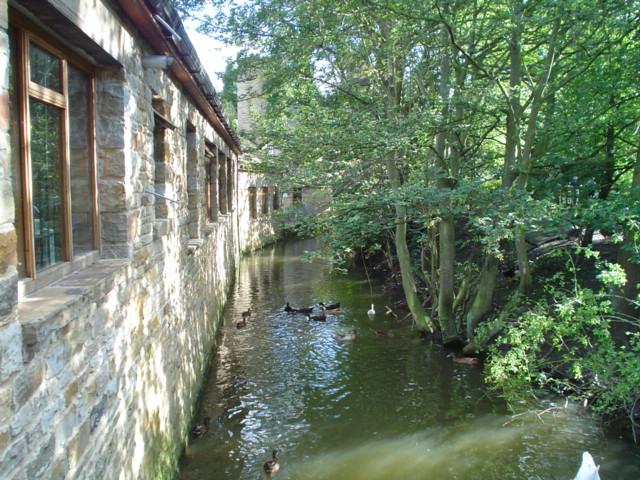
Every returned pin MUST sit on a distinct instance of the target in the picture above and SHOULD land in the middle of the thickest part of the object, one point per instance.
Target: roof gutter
(145, 21)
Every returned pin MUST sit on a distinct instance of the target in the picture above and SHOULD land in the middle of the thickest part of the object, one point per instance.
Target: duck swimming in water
(371, 312)
(304, 310)
(246, 314)
(331, 306)
(463, 360)
(317, 318)
(289, 309)
(272, 466)
(200, 429)
(347, 337)
(588, 468)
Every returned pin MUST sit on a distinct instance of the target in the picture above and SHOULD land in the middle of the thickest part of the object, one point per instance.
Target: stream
(388, 405)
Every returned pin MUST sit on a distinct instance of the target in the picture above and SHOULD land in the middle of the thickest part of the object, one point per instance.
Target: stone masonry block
(27, 383)
(113, 196)
(6, 404)
(8, 245)
(8, 293)
(12, 456)
(113, 162)
(10, 350)
(115, 227)
(7, 209)
(55, 359)
(38, 466)
(4, 111)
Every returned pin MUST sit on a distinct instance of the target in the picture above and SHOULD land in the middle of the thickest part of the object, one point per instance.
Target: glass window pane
(46, 183)
(80, 162)
(45, 68)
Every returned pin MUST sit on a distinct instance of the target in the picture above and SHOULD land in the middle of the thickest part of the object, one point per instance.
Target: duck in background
(332, 311)
(246, 314)
(201, 428)
(347, 337)
(289, 309)
(463, 360)
(371, 312)
(305, 310)
(331, 306)
(241, 323)
(271, 467)
(317, 318)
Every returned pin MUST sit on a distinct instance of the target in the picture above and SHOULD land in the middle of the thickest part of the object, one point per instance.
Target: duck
(330, 311)
(272, 466)
(317, 318)
(241, 324)
(331, 306)
(463, 360)
(304, 310)
(201, 428)
(347, 337)
(246, 314)
(371, 312)
(289, 309)
(384, 333)
(588, 468)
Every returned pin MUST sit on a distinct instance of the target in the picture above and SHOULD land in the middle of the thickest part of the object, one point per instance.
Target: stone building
(258, 214)
(266, 196)
(119, 236)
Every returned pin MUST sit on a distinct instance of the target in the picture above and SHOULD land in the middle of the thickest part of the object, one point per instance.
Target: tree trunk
(446, 227)
(484, 295)
(446, 297)
(420, 315)
(626, 306)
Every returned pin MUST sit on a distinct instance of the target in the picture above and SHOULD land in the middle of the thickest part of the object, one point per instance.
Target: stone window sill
(43, 312)
(193, 245)
(27, 286)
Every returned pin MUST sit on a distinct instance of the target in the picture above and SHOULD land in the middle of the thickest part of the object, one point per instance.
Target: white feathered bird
(371, 312)
(588, 468)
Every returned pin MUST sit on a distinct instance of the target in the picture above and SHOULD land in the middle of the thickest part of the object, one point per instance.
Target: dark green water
(378, 408)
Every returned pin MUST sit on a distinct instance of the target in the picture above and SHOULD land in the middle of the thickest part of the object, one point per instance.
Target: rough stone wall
(249, 102)
(100, 370)
(254, 233)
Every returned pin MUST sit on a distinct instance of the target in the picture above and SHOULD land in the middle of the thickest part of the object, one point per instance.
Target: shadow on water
(378, 408)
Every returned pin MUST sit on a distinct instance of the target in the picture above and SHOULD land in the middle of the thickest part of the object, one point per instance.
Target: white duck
(588, 468)
(371, 312)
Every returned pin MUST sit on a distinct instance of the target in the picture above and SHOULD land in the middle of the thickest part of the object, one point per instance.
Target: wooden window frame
(25, 35)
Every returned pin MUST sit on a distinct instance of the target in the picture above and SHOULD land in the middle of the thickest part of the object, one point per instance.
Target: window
(297, 195)
(264, 200)
(222, 183)
(192, 180)
(276, 199)
(253, 208)
(52, 134)
(211, 182)
(230, 177)
(163, 177)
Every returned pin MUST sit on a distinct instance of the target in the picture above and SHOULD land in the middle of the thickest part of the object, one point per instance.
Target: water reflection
(378, 408)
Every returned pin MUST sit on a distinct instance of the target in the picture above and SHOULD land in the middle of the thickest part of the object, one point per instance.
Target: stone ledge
(193, 245)
(46, 310)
